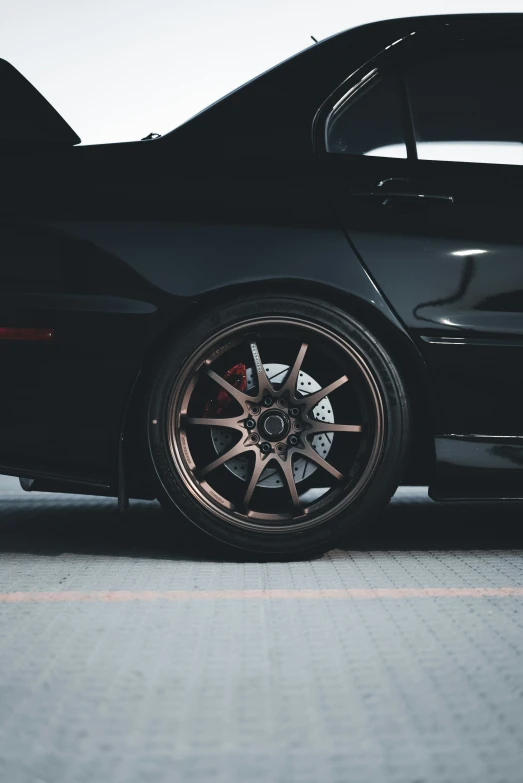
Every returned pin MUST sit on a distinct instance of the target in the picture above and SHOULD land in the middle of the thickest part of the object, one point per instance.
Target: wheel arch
(392, 336)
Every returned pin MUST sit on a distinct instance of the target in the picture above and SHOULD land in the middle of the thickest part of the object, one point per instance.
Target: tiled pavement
(310, 672)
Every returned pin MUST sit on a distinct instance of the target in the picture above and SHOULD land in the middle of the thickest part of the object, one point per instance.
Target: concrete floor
(125, 656)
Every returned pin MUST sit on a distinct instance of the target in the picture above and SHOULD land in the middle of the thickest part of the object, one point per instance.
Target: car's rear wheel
(276, 424)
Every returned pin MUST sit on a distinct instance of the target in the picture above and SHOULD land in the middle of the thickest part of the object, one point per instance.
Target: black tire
(389, 437)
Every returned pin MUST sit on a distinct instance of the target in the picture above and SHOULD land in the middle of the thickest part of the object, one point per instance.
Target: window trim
(407, 117)
(366, 80)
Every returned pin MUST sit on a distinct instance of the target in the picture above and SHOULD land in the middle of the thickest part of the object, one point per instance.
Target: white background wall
(117, 70)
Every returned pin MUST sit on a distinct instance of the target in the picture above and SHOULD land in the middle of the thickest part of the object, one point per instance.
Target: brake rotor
(223, 438)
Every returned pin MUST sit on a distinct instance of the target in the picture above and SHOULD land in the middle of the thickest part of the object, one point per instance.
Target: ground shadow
(50, 525)
(413, 521)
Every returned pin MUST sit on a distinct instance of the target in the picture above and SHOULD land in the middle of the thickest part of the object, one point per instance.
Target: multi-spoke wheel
(285, 424)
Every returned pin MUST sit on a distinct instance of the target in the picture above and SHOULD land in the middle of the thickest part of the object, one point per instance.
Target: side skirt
(478, 467)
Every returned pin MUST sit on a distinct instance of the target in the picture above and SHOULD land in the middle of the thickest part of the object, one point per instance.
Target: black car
(273, 315)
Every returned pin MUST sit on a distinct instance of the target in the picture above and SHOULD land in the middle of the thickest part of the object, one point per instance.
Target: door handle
(387, 196)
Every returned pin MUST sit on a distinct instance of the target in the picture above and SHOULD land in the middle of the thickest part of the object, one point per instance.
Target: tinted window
(468, 106)
(370, 123)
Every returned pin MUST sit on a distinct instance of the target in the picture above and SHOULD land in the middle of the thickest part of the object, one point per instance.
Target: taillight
(26, 334)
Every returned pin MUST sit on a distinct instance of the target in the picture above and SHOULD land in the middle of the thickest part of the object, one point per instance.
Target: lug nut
(265, 447)
(293, 440)
(250, 423)
(254, 437)
(294, 411)
(267, 401)
(298, 426)
(282, 402)
(255, 409)
(280, 448)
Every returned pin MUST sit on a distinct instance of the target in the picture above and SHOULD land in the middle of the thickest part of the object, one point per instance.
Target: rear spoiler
(27, 117)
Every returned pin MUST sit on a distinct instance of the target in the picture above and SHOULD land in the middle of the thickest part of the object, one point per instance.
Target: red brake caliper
(237, 377)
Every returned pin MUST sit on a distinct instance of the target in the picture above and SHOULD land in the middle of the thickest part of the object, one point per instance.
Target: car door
(422, 155)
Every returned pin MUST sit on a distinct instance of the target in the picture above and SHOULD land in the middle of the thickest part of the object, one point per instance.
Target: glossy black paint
(116, 246)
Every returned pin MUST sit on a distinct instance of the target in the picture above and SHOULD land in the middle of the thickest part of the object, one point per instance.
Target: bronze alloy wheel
(275, 424)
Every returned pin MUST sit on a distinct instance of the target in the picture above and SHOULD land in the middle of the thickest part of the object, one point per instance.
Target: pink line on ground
(356, 593)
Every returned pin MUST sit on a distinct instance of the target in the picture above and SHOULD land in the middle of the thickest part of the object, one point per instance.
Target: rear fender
(387, 329)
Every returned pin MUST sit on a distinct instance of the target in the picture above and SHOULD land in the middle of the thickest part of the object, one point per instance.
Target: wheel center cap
(274, 426)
